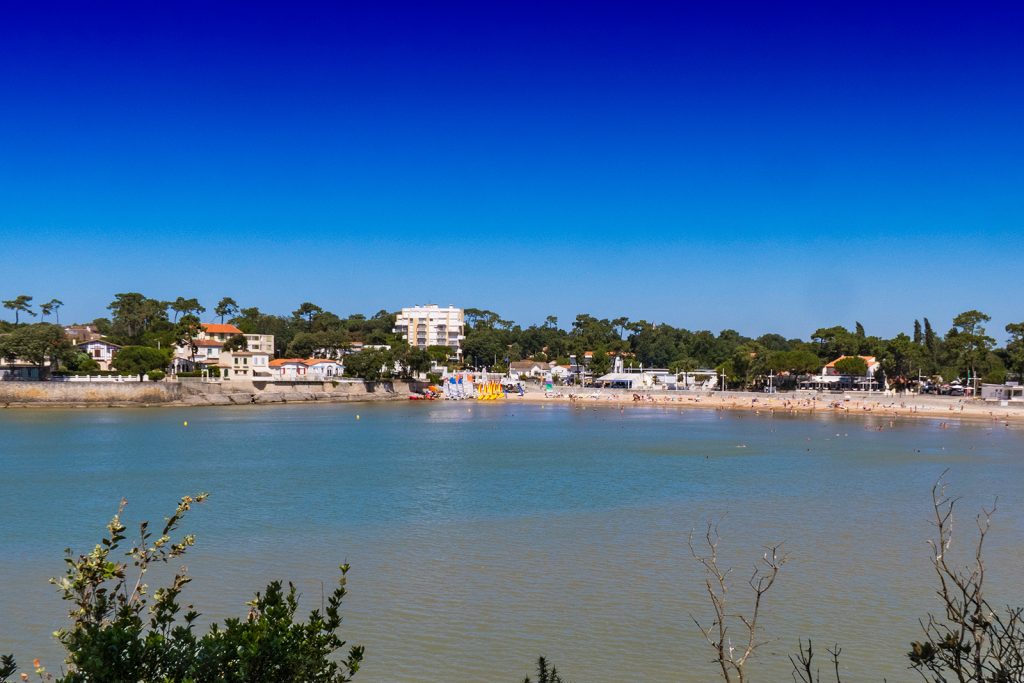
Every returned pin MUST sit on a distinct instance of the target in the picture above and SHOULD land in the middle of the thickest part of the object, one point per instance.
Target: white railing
(96, 378)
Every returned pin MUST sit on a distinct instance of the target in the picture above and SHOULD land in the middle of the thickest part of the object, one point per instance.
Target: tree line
(964, 350)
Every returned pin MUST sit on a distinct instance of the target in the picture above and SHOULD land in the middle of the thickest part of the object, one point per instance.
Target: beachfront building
(1010, 392)
(99, 350)
(206, 355)
(306, 369)
(210, 345)
(249, 365)
(431, 325)
(17, 369)
(289, 369)
(323, 368)
(221, 332)
(831, 380)
(520, 369)
(636, 378)
(557, 373)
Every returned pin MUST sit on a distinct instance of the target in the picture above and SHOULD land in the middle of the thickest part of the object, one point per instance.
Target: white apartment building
(431, 325)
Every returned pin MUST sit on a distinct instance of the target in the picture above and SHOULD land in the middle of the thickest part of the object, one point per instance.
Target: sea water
(483, 535)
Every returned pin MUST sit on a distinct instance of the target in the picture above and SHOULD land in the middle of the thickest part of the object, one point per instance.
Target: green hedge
(214, 372)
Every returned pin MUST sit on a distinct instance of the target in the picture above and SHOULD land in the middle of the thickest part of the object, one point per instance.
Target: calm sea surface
(481, 536)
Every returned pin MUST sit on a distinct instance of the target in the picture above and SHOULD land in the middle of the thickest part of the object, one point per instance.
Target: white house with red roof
(210, 344)
(324, 368)
(315, 369)
(288, 368)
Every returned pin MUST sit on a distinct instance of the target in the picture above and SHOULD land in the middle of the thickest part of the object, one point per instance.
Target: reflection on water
(483, 536)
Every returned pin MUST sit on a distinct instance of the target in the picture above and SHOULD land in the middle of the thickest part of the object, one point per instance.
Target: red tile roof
(278, 362)
(221, 328)
(870, 360)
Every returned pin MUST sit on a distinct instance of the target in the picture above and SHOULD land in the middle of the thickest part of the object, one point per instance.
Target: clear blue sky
(761, 166)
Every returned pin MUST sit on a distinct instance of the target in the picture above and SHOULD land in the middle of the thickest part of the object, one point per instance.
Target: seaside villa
(209, 347)
(1010, 392)
(520, 369)
(99, 350)
(244, 365)
(306, 369)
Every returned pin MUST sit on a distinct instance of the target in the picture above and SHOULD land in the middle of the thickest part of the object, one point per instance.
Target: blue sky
(714, 165)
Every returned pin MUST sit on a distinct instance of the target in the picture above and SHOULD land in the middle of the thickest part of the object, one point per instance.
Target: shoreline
(793, 404)
(935, 408)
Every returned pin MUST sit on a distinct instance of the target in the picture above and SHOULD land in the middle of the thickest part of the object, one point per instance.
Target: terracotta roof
(870, 360)
(207, 343)
(318, 361)
(221, 328)
(278, 362)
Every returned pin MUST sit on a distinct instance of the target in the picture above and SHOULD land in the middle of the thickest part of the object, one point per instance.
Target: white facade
(210, 342)
(102, 352)
(244, 365)
(288, 368)
(309, 369)
(1010, 391)
(431, 325)
(532, 368)
(323, 369)
(260, 343)
(206, 351)
(559, 372)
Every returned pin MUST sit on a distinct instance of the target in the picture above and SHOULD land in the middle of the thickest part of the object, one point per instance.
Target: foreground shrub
(545, 674)
(7, 668)
(119, 631)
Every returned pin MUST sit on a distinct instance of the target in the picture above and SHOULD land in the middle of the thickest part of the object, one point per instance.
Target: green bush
(995, 376)
(213, 372)
(155, 375)
(120, 631)
(8, 668)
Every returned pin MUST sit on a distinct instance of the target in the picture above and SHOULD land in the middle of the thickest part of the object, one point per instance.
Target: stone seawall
(197, 393)
(240, 392)
(88, 393)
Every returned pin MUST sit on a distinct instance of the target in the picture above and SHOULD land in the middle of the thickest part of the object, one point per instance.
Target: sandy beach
(905, 405)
